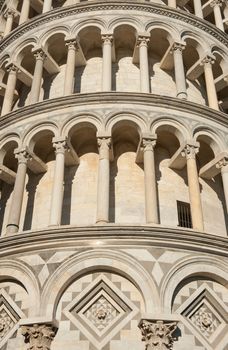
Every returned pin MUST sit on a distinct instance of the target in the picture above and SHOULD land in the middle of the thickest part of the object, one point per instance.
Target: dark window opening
(184, 214)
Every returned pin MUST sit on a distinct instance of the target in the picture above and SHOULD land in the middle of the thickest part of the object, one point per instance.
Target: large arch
(99, 259)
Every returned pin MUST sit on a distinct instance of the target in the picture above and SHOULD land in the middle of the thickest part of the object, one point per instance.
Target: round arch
(99, 259)
(94, 120)
(178, 129)
(35, 129)
(192, 266)
(113, 119)
(17, 271)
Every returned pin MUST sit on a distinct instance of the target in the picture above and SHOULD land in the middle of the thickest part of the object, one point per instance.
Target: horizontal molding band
(79, 8)
(114, 236)
(113, 98)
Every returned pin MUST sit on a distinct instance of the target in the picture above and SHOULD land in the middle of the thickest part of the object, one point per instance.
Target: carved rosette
(39, 337)
(158, 335)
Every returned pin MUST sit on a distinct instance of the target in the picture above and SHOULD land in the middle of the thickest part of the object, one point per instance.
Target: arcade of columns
(154, 332)
(216, 5)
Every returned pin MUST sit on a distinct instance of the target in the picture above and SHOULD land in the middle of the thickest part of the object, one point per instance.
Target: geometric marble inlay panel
(206, 314)
(10, 314)
(100, 311)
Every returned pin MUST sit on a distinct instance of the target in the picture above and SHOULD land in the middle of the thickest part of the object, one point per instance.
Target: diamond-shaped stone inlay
(100, 311)
(9, 317)
(206, 314)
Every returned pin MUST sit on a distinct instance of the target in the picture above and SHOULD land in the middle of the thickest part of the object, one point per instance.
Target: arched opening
(80, 190)
(212, 193)
(89, 62)
(125, 74)
(172, 184)
(127, 177)
(39, 183)
(54, 78)
(162, 80)
(7, 179)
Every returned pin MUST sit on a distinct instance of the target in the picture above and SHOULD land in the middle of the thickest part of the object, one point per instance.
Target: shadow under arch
(189, 267)
(106, 260)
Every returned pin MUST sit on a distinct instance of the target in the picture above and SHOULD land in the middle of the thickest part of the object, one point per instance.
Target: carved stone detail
(107, 38)
(143, 40)
(148, 144)
(39, 337)
(40, 55)
(190, 151)
(60, 146)
(222, 163)
(177, 47)
(216, 3)
(22, 156)
(158, 335)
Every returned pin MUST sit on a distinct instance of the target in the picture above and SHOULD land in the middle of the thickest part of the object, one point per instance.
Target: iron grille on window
(184, 214)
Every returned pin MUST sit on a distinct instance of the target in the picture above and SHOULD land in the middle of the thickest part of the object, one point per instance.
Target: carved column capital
(72, 44)
(39, 54)
(148, 144)
(177, 47)
(39, 337)
(222, 163)
(107, 38)
(22, 155)
(104, 143)
(190, 151)
(207, 61)
(158, 334)
(60, 145)
(12, 68)
(10, 13)
(216, 3)
(143, 40)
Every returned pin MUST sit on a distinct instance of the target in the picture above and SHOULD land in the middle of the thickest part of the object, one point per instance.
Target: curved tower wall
(113, 175)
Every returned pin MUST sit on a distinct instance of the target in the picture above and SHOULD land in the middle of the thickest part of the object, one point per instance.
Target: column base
(11, 229)
(182, 95)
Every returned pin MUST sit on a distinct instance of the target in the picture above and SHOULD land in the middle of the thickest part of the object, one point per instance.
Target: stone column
(104, 144)
(190, 152)
(142, 43)
(9, 20)
(18, 192)
(24, 11)
(57, 189)
(10, 88)
(70, 67)
(198, 8)
(216, 5)
(158, 334)
(47, 5)
(223, 165)
(210, 85)
(172, 3)
(37, 76)
(179, 70)
(107, 62)
(151, 202)
(38, 336)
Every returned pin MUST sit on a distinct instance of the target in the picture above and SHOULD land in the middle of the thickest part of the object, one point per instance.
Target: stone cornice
(114, 236)
(113, 98)
(79, 8)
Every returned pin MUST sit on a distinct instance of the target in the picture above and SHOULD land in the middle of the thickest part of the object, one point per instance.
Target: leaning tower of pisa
(113, 174)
